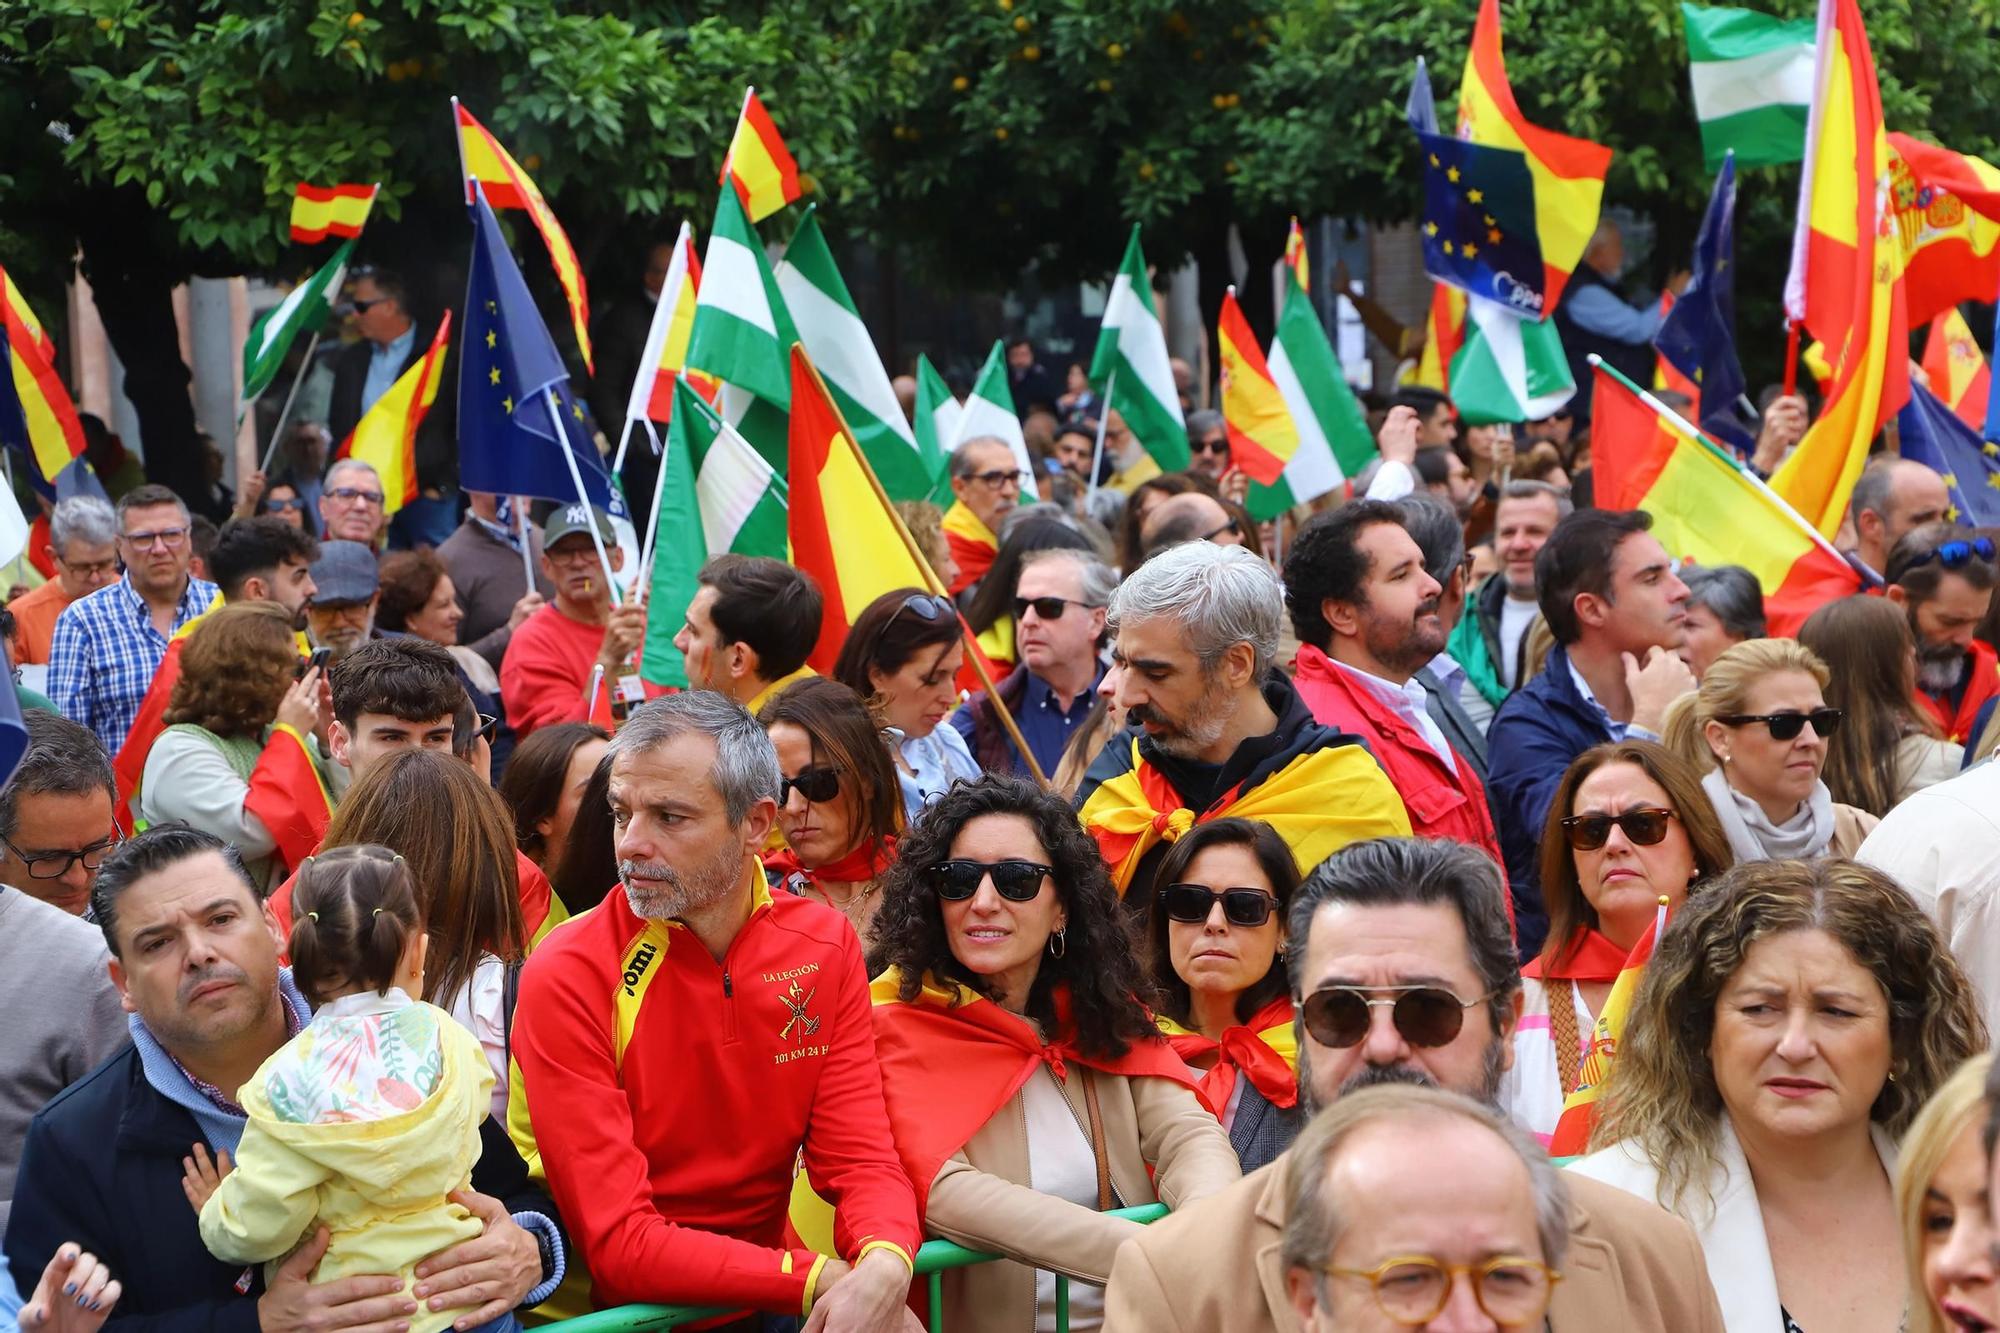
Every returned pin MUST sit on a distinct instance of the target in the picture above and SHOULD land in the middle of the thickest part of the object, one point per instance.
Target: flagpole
(298, 378)
(583, 496)
(648, 548)
(618, 457)
(1791, 357)
(527, 553)
(932, 581)
(1103, 420)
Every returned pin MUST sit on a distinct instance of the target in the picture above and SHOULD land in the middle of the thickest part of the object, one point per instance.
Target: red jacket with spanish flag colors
(668, 1095)
(1982, 682)
(972, 545)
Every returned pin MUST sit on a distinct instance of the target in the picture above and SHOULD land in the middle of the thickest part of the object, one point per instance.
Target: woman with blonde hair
(1758, 729)
(1887, 748)
(1941, 1202)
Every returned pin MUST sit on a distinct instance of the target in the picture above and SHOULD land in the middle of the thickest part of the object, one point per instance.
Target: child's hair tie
(312, 916)
(376, 912)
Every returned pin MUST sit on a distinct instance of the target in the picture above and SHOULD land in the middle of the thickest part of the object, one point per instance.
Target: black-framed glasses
(89, 568)
(1786, 726)
(1954, 554)
(1339, 1016)
(928, 606)
(354, 493)
(1218, 445)
(1413, 1289)
(997, 478)
(1048, 608)
(488, 724)
(1016, 881)
(1643, 828)
(817, 785)
(54, 865)
(1231, 526)
(1192, 903)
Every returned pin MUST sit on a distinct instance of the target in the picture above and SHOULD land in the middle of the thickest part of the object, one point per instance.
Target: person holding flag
(366, 371)
(582, 637)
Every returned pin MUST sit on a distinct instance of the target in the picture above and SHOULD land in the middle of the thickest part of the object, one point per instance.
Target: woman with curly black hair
(1028, 1089)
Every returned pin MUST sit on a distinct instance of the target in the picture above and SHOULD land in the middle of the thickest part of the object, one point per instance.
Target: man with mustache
(1943, 577)
(1366, 613)
(1222, 731)
(679, 1045)
(1403, 974)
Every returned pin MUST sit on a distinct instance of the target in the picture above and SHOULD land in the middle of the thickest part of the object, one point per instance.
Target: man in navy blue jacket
(1618, 611)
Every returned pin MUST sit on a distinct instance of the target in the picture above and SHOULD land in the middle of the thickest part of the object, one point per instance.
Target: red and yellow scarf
(1265, 1050)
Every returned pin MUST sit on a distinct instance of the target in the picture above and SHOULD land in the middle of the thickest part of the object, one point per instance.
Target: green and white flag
(1510, 369)
(989, 410)
(742, 332)
(303, 310)
(1132, 345)
(1334, 442)
(839, 344)
(936, 426)
(717, 495)
(1753, 83)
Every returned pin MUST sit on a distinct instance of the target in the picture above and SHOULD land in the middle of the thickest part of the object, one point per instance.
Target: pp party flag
(664, 360)
(1262, 438)
(303, 310)
(741, 326)
(1957, 368)
(1130, 366)
(1928, 432)
(37, 416)
(829, 484)
(1951, 251)
(1444, 334)
(1295, 257)
(320, 211)
(1706, 507)
(1698, 336)
(386, 436)
(1568, 173)
(485, 160)
(1334, 441)
(841, 348)
(1510, 368)
(758, 164)
(989, 411)
(1752, 77)
(1844, 284)
(937, 416)
(1580, 1111)
(716, 495)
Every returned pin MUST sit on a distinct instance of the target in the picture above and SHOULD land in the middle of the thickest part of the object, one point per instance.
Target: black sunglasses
(1339, 1016)
(1192, 903)
(1786, 726)
(1016, 881)
(928, 606)
(361, 307)
(1213, 533)
(817, 785)
(1048, 608)
(1586, 833)
(1220, 445)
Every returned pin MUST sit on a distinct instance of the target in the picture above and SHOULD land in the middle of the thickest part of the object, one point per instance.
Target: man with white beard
(1943, 577)
(679, 1045)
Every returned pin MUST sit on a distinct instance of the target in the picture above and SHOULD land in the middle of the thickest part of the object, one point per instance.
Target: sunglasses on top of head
(1955, 554)
(928, 606)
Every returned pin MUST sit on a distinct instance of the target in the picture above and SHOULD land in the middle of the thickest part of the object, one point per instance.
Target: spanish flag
(37, 416)
(1444, 334)
(320, 211)
(288, 796)
(1295, 257)
(1951, 248)
(1262, 435)
(665, 359)
(386, 436)
(1568, 173)
(1264, 1050)
(483, 159)
(758, 164)
(1957, 369)
(1579, 1115)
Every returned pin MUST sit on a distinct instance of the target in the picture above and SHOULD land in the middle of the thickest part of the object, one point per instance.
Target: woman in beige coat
(1028, 1089)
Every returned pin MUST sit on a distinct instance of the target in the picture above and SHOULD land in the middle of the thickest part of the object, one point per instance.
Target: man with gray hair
(986, 479)
(1221, 731)
(83, 542)
(682, 1044)
(351, 504)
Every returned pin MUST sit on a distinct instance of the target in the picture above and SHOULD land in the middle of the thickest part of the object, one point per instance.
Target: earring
(1726, 758)
(1058, 946)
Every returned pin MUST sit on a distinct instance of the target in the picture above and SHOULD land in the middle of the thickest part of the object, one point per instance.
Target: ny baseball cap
(572, 519)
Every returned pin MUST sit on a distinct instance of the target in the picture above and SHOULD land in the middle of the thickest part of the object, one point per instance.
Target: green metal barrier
(932, 1262)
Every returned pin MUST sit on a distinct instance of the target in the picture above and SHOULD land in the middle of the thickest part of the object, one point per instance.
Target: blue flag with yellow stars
(1479, 212)
(1698, 337)
(507, 438)
(1933, 435)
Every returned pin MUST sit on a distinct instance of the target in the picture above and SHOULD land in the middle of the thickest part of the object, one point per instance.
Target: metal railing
(933, 1261)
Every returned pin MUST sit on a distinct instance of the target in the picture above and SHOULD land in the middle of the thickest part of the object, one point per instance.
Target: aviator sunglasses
(1339, 1016)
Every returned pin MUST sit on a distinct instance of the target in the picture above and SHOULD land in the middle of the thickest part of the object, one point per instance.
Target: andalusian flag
(303, 310)
(664, 361)
(829, 486)
(1510, 368)
(1132, 346)
(37, 416)
(839, 345)
(1845, 282)
(1334, 440)
(936, 424)
(1568, 173)
(1579, 1115)
(1951, 252)
(1957, 368)
(989, 410)
(1262, 436)
(741, 327)
(1706, 507)
(1444, 334)
(1295, 257)
(758, 164)
(507, 186)
(386, 435)
(1752, 77)
(320, 211)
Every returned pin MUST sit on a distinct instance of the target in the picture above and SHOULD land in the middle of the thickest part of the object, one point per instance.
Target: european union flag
(507, 441)
(1932, 434)
(1698, 337)
(1479, 223)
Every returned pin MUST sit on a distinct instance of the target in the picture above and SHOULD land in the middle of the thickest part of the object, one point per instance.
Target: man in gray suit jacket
(1433, 525)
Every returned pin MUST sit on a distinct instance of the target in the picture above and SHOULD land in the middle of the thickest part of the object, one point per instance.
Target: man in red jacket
(1366, 613)
(1943, 576)
(546, 672)
(679, 1045)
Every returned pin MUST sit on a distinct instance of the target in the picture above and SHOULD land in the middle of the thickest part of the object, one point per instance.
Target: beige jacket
(1215, 1268)
(981, 1201)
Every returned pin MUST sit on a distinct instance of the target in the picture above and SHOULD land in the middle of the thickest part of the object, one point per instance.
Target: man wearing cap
(545, 675)
(342, 612)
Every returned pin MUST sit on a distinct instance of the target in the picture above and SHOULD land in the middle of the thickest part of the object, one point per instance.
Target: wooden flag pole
(934, 584)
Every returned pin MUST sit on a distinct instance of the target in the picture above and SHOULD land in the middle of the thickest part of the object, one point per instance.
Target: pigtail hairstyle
(354, 911)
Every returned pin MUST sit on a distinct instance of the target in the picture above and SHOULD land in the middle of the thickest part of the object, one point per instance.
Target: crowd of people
(376, 961)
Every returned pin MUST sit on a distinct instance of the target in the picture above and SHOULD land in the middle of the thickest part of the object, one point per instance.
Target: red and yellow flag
(320, 211)
(1444, 334)
(1262, 435)
(386, 436)
(673, 321)
(41, 407)
(758, 163)
(1579, 1115)
(1846, 280)
(1295, 256)
(1957, 369)
(1951, 249)
(507, 186)
(1568, 173)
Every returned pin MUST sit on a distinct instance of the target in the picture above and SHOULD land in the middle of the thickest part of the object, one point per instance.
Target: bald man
(1193, 517)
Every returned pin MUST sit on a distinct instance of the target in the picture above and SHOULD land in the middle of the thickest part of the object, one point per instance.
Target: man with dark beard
(1222, 732)
(679, 1045)
(1366, 613)
(1943, 578)
(1403, 972)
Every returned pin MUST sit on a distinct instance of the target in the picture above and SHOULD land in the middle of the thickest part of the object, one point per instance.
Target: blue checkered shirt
(106, 651)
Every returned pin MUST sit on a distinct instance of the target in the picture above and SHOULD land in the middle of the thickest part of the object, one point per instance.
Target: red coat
(1442, 804)
(1982, 684)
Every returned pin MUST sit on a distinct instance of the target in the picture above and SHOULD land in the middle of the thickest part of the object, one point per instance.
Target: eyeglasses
(1218, 445)
(170, 538)
(1230, 526)
(90, 568)
(996, 479)
(1192, 903)
(1048, 608)
(1339, 1016)
(1954, 555)
(583, 553)
(1786, 726)
(817, 785)
(1414, 1289)
(1016, 881)
(928, 606)
(1644, 827)
(54, 865)
(351, 493)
